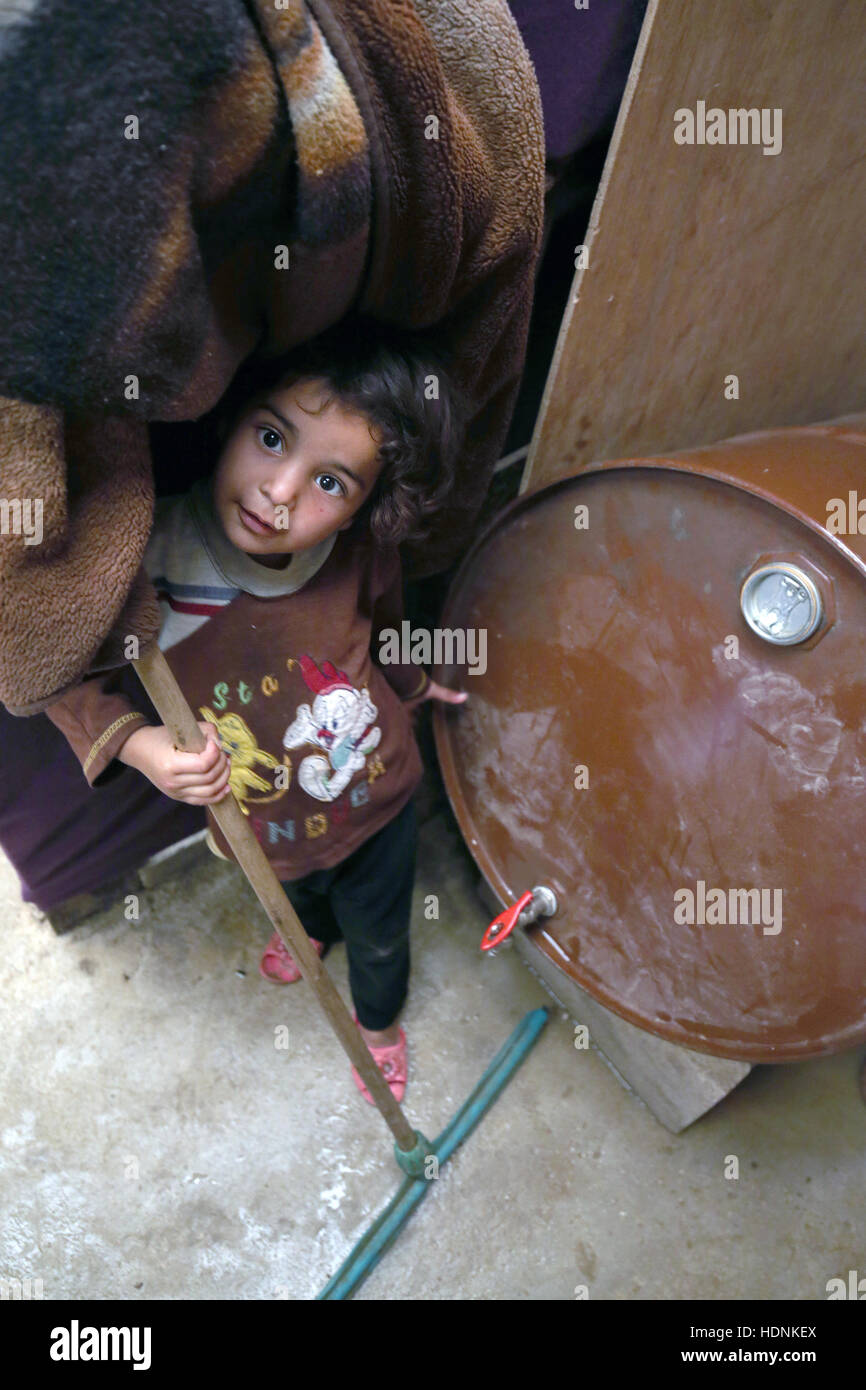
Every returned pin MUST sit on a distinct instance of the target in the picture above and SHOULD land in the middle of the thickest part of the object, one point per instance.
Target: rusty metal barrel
(670, 732)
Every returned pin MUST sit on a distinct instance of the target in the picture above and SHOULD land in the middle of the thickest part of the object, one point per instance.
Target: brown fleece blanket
(153, 160)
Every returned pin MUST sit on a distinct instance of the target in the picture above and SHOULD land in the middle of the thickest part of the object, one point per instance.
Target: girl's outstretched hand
(439, 692)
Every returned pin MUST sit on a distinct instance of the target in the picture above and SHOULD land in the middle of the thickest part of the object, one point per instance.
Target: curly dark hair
(403, 387)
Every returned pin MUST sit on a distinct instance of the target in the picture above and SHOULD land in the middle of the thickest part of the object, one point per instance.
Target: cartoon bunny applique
(340, 722)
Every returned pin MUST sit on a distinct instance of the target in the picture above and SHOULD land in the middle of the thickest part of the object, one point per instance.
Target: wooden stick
(168, 699)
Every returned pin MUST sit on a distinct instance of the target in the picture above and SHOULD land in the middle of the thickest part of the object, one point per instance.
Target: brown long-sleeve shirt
(322, 749)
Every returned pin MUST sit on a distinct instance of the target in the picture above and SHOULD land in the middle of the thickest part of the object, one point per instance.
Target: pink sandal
(393, 1063)
(281, 965)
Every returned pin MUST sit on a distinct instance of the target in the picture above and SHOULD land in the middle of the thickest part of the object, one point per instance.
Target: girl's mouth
(255, 524)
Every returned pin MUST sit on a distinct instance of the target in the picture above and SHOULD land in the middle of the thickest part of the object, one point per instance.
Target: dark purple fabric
(65, 837)
(582, 59)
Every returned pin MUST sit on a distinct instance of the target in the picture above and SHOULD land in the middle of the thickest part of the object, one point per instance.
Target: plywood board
(707, 261)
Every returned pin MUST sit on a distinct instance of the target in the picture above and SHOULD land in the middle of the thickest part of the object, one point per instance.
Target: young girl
(276, 577)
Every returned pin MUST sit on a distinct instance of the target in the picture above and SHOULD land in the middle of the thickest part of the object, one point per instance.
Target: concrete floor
(154, 1143)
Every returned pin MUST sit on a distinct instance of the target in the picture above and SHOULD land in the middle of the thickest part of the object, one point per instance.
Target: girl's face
(287, 478)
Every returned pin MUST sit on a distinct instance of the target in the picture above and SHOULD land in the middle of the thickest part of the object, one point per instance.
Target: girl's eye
(328, 483)
(269, 436)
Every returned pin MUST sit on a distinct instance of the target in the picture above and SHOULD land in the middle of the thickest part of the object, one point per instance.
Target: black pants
(366, 901)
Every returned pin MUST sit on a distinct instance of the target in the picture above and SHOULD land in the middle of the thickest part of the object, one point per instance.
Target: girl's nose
(283, 487)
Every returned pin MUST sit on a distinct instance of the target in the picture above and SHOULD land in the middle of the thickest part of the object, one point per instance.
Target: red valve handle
(503, 925)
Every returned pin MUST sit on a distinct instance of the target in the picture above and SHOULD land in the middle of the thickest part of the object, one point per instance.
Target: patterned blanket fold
(184, 185)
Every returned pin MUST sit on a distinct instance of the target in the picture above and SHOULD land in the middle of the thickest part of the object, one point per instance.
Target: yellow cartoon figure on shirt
(239, 742)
